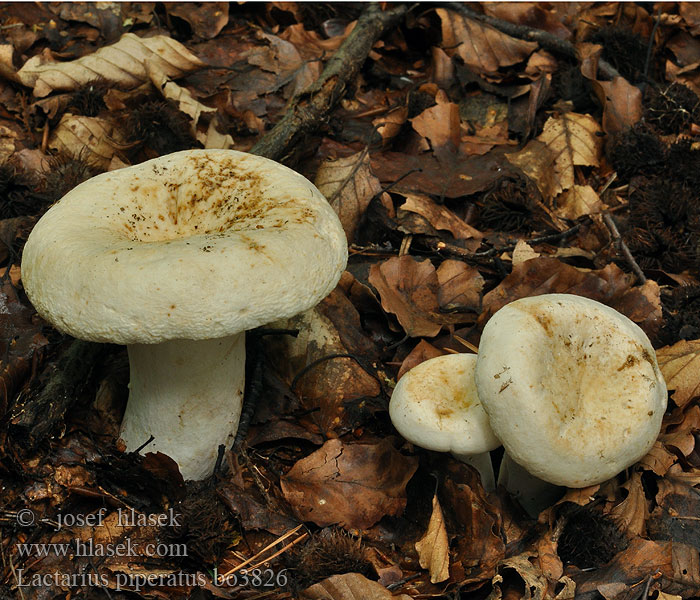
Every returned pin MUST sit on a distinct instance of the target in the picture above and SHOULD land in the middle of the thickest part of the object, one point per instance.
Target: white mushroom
(571, 386)
(176, 258)
(435, 406)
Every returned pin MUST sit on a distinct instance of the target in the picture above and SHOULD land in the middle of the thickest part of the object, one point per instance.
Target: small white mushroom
(571, 387)
(435, 406)
(176, 258)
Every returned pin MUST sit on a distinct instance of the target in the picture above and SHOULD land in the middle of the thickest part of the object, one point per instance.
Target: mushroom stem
(187, 394)
(482, 463)
(533, 494)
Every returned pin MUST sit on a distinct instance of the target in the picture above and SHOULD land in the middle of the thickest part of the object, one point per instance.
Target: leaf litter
(476, 166)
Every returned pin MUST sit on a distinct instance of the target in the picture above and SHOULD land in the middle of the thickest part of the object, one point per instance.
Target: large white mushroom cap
(571, 386)
(194, 245)
(435, 406)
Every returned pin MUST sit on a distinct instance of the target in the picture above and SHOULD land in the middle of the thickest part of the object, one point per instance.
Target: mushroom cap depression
(435, 406)
(571, 386)
(193, 245)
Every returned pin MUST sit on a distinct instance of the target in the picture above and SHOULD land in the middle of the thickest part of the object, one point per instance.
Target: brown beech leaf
(207, 19)
(408, 289)
(680, 366)
(434, 548)
(479, 543)
(632, 512)
(91, 138)
(641, 559)
(621, 101)
(439, 123)
(422, 352)
(460, 287)
(658, 459)
(608, 285)
(535, 581)
(124, 64)
(577, 201)
(480, 46)
(354, 485)
(440, 217)
(570, 140)
(350, 586)
(389, 125)
(348, 184)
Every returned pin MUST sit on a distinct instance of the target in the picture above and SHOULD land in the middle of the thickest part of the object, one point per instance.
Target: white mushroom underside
(572, 390)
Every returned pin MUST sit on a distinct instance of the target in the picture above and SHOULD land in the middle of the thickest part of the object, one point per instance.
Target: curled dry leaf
(680, 366)
(631, 514)
(569, 140)
(123, 64)
(480, 46)
(90, 138)
(422, 352)
(349, 186)
(440, 217)
(389, 125)
(535, 581)
(354, 485)
(182, 96)
(439, 123)
(434, 548)
(350, 586)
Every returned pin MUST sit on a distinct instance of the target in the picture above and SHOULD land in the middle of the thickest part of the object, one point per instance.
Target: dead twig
(311, 108)
(622, 247)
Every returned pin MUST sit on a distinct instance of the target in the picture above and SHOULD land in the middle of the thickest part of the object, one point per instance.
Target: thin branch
(622, 247)
(310, 109)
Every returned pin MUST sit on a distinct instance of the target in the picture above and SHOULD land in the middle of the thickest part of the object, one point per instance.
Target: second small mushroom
(435, 406)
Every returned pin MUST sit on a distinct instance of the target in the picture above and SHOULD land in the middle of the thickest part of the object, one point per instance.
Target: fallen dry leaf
(633, 511)
(676, 516)
(680, 366)
(91, 138)
(207, 19)
(408, 289)
(609, 285)
(566, 141)
(440, 123)
(349, 185)
(354, 485)
(422, 352)
(440, 217)
(577, 201)
(389, 125)
(434, 548)
(621, 101)
(350, 586)
(460, 287)
(523, 252)
(535, 581)
(480, 46)
(123, 64)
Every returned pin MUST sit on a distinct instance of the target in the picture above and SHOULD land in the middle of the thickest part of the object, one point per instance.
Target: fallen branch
(307, 111)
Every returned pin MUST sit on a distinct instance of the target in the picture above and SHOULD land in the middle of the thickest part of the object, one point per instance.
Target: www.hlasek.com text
(91, 548)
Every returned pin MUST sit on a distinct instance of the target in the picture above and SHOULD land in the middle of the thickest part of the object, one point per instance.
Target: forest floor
(475, 154)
